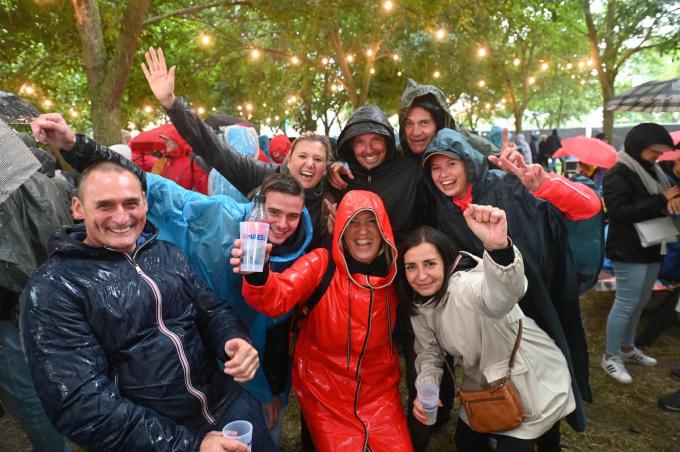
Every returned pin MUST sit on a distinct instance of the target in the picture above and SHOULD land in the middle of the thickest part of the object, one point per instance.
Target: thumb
(231, 347)
(171, 73)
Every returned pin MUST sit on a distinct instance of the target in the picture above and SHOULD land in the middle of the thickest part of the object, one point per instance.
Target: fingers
(335, 177)
(244, 360)
(347, 172)
(418, 412)
(673, 206)
(484, 214)
(161, 61)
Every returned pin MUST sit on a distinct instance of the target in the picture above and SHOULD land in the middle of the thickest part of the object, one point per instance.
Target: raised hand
(335, 173)
(52, 130)
(511, 161)
(243, 360)
(235, 260)
(332, 209)
(489, 224)
(160, 79)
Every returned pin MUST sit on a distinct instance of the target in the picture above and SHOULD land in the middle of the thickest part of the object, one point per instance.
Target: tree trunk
(608, 124)
(518, 121)
(107, 76)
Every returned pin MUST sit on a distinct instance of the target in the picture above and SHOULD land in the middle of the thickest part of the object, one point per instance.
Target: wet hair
(282, 183)
(314, 138)
(104, 166)
(448, 251)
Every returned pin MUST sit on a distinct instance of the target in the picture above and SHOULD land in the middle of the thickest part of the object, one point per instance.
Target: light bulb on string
(436, 74)
(205, 39)
(74, 114)
(395, 57)
(148, 109)
(531, 80)
(516, 61)
(277, 118)
(249, 106)
(399, 74)
(388, 5)
(255, 54)
(324, 61)
(481, 83)
(569, 66)
(369, 53)
(544, 66)
(200, 110)
(589, 62)
(295, 60)
(239, 107)
(581, 64)
(372, 71)
(350, 58)
(440, 34)
(482, 52)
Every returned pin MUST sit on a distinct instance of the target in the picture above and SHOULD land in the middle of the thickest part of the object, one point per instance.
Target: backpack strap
(304, 310)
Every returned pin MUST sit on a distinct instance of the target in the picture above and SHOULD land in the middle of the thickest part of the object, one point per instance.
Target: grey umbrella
(15, 110)
(651, 96)
(16, 162)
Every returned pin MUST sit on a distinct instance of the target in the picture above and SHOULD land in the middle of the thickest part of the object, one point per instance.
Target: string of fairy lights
(247, 108)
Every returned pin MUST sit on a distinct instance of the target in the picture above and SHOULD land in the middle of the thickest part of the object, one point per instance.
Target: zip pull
(138, 269)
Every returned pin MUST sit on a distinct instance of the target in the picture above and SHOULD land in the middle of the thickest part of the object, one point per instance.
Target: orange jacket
(346, 369)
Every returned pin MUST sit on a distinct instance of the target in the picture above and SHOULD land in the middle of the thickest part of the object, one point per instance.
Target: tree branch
(194, 9)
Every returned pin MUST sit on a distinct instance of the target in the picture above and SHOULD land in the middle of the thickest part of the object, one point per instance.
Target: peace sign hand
(511, 161)
(160, 79)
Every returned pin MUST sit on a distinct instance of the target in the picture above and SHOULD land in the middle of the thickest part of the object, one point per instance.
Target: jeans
(18, 394)
(634, 282)
(277, 431)
(467, 439)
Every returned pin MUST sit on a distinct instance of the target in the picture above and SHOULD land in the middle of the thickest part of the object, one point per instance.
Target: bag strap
(312, 301)
(315, 297)
(514, 350)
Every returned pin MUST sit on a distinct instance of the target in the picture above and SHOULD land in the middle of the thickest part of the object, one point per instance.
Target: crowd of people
(141, 331)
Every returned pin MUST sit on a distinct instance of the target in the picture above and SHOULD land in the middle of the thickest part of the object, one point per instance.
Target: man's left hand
(244, 360)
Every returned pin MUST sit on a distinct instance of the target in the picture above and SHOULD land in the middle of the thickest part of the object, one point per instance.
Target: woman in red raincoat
(179, 165)
(346, 368)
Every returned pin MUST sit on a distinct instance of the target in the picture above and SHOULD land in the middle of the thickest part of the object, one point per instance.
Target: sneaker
(670, 402)
(675, 373)
(637, 357)
(615, 368)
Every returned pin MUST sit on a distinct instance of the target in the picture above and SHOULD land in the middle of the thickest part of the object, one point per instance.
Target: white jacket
(477, 323)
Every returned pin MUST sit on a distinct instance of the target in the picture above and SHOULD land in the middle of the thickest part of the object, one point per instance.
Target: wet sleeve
(73, 379)
(574, 199)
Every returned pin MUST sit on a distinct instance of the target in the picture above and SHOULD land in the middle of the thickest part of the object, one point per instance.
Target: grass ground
(622, 418)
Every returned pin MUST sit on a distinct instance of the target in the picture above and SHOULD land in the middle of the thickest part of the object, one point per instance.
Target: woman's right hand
(672, 192)
(160, 79)
(419, 411)
(489, 224)
(236, 254)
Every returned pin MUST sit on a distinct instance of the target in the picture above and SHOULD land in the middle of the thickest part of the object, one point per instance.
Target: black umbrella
(220, 119)
(650, 96)
(15, 110)
(17, 163)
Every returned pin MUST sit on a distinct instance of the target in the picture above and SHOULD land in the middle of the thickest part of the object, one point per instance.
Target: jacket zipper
(174, 339)
(361, 357)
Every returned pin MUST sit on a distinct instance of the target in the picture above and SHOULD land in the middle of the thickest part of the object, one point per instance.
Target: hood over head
(352, 203)
(243, 139)
(452, 144)
(428, 97)
(279, 147)
(170, 131)
(643, 136)
(366, 119)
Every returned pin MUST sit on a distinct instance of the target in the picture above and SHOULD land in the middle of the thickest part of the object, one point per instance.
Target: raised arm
(573, 199)
(243, 172)
(274, 294)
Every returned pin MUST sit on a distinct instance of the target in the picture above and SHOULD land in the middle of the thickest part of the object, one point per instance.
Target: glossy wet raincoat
(346, 368)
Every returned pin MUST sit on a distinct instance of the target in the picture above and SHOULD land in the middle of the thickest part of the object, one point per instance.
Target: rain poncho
(541, 232)
(204, 228)
(239, 138)
(346, 369)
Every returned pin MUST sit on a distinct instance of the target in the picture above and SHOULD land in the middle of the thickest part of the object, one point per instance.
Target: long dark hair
(447, 249)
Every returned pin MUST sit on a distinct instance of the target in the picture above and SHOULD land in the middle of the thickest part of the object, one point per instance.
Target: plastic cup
(241, 431)
(428, 394)
(253, 244)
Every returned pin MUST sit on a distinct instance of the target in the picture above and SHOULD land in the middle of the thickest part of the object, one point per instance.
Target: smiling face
(448, 175)
(370, 149)
(171, 146)
(113, 208)
(424, 269)
(283, 215)
(362, 238)
(307, 163)
(419, 129)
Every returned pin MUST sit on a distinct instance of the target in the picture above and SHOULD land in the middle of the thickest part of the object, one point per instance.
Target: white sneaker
(636, 356)
(615, 368)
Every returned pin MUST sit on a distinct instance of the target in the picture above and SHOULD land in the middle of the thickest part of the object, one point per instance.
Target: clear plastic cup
(428, 395)
(253, 244)
(241, 431)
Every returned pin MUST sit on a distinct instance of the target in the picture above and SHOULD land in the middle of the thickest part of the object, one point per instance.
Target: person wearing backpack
(345, 365)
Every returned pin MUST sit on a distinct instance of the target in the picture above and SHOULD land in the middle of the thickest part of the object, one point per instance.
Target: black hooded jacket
(539, 231)
(396, 180)
(628, 201)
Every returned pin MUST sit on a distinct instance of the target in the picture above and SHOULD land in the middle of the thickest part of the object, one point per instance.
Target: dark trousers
(468, 440)
(420, 433)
